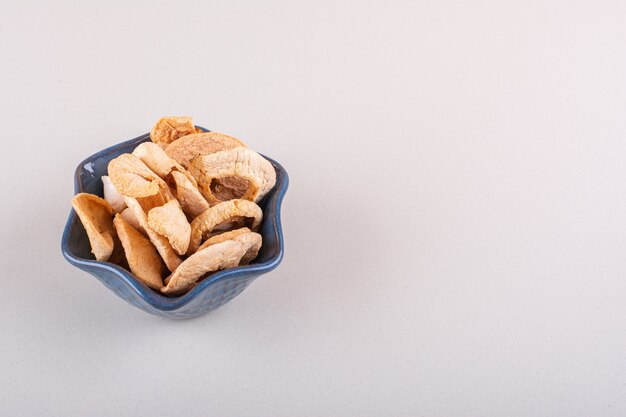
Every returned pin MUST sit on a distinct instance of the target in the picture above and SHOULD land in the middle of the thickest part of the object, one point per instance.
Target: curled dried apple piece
(170, 128)
(228, 212)
(185, 149)
(112, 196)
(96, 216)
(143, 258)
(190, 199)
(171, 259)
(252, 252)
(169, 220)
(156, 159)
(221, 237)
(129, 215)
(163, 196)
(132, 178)
(173, 173)
(234, 173)
(221, 255)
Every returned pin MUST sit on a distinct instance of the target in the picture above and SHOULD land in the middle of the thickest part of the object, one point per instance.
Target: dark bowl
(214, 291)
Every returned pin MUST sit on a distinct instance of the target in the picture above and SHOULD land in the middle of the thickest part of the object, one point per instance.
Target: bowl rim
(153, 298)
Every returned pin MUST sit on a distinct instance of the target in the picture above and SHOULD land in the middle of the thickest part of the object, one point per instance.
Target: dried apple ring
(222, 255)
(233, 211)
(234, 173)
(252, 252)
(219, 238)
(185, 149)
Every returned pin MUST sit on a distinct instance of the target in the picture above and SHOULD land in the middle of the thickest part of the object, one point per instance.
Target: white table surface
(455, 234)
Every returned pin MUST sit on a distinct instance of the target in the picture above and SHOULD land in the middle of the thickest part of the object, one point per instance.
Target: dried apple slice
(169, 220)
(168, 129)
(143, 259)
(132, 178)
(172, 172)
(185, 149)
(96, 215)
(236, 211)
(163, 196)
(112, 196)
(156, 159)
(222, 255)
(219, 238)
(234, 173)
(129, 216)
(171, 259)
(252, 252)
(190, 199)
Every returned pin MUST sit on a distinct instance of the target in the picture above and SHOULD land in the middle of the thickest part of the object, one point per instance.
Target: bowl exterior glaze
(214, 291)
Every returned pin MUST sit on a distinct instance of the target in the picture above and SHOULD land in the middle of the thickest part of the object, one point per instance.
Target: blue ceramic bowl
(214, 291)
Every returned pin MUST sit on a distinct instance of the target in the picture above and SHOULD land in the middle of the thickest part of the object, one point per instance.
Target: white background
(455, 234)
